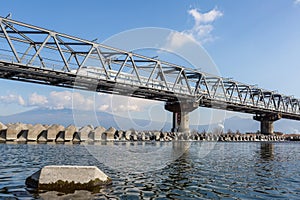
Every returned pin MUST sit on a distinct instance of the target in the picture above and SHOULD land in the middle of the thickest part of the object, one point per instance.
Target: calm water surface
(204, 171)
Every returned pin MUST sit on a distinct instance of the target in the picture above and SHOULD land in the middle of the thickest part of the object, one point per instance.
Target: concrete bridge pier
(266, 122)
(181, 110)
(180, 122)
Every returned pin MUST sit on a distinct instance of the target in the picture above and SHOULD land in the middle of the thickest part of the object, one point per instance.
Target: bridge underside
(210, 103)
(33, 54)
(44, 76)
(180, 111)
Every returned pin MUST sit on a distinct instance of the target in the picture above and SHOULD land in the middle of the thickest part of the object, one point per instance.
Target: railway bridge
(33, 54)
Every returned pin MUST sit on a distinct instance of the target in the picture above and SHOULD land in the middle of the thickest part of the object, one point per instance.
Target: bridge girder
(34, 54)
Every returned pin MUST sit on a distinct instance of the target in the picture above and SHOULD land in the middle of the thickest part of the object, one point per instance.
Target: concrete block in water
(127, 135)
(141, 136)
(2, 135)
(53, 131)
(99, 130)
(109, 134)
(157, 135)
(192, 136)
(69, 132)
(134, 136)
(175, 136)
(85, 131)
(68, 178)
(34, 131)
(148, 136)
(120, 135)
(16, 131)
(2, 126)
(3, 129)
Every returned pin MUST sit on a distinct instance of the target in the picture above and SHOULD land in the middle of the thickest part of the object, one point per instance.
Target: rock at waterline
(2, 126)
(98, 133)
(16, 132)
(109, 134)
(69, 132)
(84, 132)
(68, 178)
(3, 129)
(34, 132)
(53, 131)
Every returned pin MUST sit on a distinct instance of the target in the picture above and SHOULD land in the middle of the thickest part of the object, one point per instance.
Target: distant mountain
(243, 125)
(249, 125)
(81, 118)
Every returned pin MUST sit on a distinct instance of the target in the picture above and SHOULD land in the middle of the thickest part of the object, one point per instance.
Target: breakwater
(57, 133)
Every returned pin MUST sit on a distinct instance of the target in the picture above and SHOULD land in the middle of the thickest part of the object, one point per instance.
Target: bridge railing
(38, 47)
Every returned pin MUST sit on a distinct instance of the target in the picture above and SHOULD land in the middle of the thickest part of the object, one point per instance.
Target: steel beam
(104, 66)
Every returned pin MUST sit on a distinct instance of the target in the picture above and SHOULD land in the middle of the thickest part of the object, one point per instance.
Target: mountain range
(80, 118)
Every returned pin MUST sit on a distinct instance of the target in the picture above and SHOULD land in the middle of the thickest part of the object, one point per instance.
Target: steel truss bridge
(38, 55)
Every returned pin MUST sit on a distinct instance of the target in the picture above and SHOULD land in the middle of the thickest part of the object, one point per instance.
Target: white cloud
(297, 2)
(71, 100)
(12, 98)
(200, 32)
(61, 100)
(120, 104)
(203, 27)
(82, 101)
(37, 100)
(202, 18)
(177, 39)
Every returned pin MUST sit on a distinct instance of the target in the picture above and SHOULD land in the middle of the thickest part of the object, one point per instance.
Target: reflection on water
(138, 157)
(204, 170)
(267, 151)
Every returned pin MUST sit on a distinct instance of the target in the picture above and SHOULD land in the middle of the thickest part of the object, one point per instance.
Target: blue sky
(253, 41)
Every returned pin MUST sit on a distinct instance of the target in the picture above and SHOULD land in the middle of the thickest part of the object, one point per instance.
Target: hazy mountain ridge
(81, 118)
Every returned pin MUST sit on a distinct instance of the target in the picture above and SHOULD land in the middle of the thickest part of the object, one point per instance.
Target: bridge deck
(34, 54)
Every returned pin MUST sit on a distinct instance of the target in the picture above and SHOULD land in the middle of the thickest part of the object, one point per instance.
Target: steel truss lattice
(34, 54)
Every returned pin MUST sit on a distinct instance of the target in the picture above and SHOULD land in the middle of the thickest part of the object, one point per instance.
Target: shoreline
(20, 133)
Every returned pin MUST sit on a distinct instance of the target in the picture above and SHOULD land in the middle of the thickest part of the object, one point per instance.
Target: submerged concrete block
(109, 134)
(98, 133)
(69, 132)
(85, 131)
(3, 129)
(22, 136)
(53, 131)
(120, 135)
(76, 137)
(68, 178)
(148, 136)
(156, 135)
(2, 126)
(127, 135)
(60, 136)
(2, 135)
(15, 131)
(78, 194)
(134, 136)
(42, 137)
(35, 131)
(142, 136)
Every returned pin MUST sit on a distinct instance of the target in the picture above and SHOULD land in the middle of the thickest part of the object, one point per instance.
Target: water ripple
(228, 171)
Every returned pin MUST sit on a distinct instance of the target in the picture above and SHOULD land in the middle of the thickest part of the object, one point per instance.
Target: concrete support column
(266, 122)
(180, 110)
(184, 125)
(267, 127)
(174, 123)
